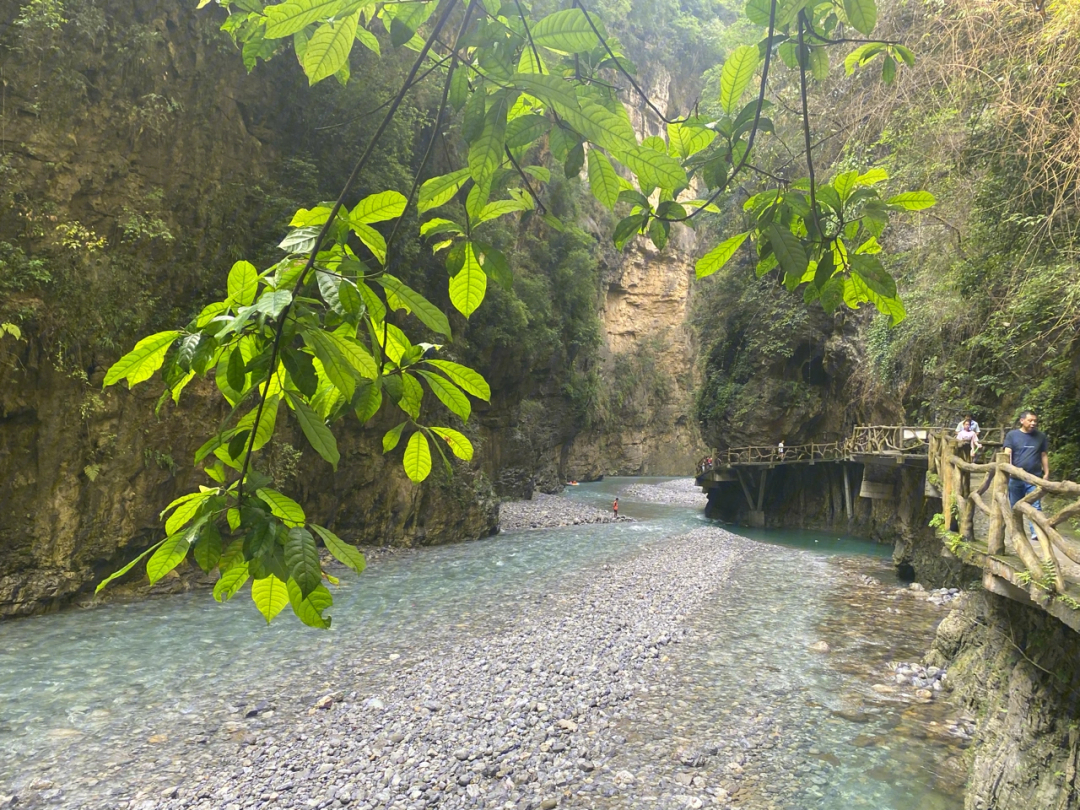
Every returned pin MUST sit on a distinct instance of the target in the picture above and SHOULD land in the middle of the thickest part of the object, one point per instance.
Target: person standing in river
(1027, 449)
(615, 508)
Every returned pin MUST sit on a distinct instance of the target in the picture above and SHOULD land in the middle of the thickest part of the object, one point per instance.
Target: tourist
(974, 425)
(615, 508)
(780, 450)
(1027, 449)
(965, 432)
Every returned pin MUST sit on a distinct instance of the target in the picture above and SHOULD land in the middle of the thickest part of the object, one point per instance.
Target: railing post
(995, 541)
(964, 504)
(947, 473)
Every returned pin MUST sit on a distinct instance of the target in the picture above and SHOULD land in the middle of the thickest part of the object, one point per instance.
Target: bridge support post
(849, 506)
(995, 541)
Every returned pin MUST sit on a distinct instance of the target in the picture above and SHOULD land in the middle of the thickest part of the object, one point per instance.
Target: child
(966, 434)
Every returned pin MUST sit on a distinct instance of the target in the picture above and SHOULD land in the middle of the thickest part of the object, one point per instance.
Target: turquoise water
(83, 690)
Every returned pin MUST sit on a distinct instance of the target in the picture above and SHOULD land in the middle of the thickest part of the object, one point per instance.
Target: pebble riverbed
(599, 691)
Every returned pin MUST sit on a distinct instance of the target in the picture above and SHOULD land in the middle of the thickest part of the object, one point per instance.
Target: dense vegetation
(987, 121)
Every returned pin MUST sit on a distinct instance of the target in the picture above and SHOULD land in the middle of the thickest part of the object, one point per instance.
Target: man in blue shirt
(1027, 449)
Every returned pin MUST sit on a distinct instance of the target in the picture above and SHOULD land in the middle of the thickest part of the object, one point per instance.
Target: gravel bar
(519, 718)
(548, 512)
(680, 492)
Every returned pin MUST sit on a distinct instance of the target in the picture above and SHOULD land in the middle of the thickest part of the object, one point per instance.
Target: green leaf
(270, 596)
(374, 306)
(874, 274)
(440, 190)
(318, 434)
(412, 395)
(328, 49)
(243, 283)
(738, 72)
(170, 554)
(872, 177)
(467, 288)
(391, 438)
(207, 551)
(905, 54)
(141, 362)
(627, 228)
(602, 179)
(368, 40)
(757, 11)
(273, 302)
(495, 265)
(430, 315)
(343, 552)
(374, 240)
(565, 32)
(486, 152)
(689, 140)
(910, 201)
(126, 568)
(861, 55)
(285, 19)
(449, 394)
(185, 512)
(525, 129)
(378, 207)
(338, 369)
(607, 129)
(459, 445)
(463, 376)
(439, 225)
(788, 250)
(355, 353)
(819, 63)
(496, 209)
(888, 69)
(368, 400)
(845, 184)
(655, 168)
(719, 255)
(302, 560)
(405, 18)
(309, 609)
(282, 506)
(417, 460)
(855, 291)
(862, 14)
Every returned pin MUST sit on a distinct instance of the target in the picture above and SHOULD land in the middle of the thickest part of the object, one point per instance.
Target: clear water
(88, 694)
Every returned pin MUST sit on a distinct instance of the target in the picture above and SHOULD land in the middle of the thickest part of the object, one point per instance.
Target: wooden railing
(771, 454)
(990, 497)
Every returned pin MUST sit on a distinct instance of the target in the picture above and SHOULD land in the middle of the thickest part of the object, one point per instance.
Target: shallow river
(87, 695)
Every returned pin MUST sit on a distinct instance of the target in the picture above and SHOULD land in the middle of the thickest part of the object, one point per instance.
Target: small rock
(586, 765)
(325, 702)
(820, 646)
(568, 725)
(549, 804)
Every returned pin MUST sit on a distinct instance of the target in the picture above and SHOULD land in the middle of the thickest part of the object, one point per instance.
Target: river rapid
(662, 661)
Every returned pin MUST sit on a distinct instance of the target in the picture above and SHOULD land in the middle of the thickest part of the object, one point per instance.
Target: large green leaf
(343, 552)
(459, 444)
(273, 302)
(600, 125)
(719, 255)
(655, 168)
(565, 31)
(328, 49)
(602, 179)
(467, 288)
(417, 459)
(468, 379)
(440, 190)
(318, 434)
(282, 506)
(449, 394)
(355, 353)
(378, 207)
(789, 251)
(285, 19)
(525, 129)
(391, 438)
(862, 14)
(267, 422)
(412, 395)
(207, 552)
(738, 72)
(170, 553)
(874, 275)
(270, 596)
(338, 369)
(913, 200)
(141, 362)
(232, 580)
(856, 291)
(430, 315)
(243, 283)
(689, 140)
(302, 559)
(552, 90)
(496, 209)
(186, 511)
(405, 18)
(374, 240)
(368, 400)
(309, 609)
(486, 152)
(128, 567)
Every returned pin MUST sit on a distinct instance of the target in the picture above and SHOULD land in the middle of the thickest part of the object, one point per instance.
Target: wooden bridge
(979, 525)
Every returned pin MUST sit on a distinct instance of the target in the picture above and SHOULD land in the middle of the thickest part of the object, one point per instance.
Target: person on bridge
(966, 433)
(974, 425)
(1027, 449)
(780, 450)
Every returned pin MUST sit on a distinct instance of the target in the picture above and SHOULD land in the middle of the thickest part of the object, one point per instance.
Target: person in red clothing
(615, 508)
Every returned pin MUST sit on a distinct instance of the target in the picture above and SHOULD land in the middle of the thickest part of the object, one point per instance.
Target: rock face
(1015, 669)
